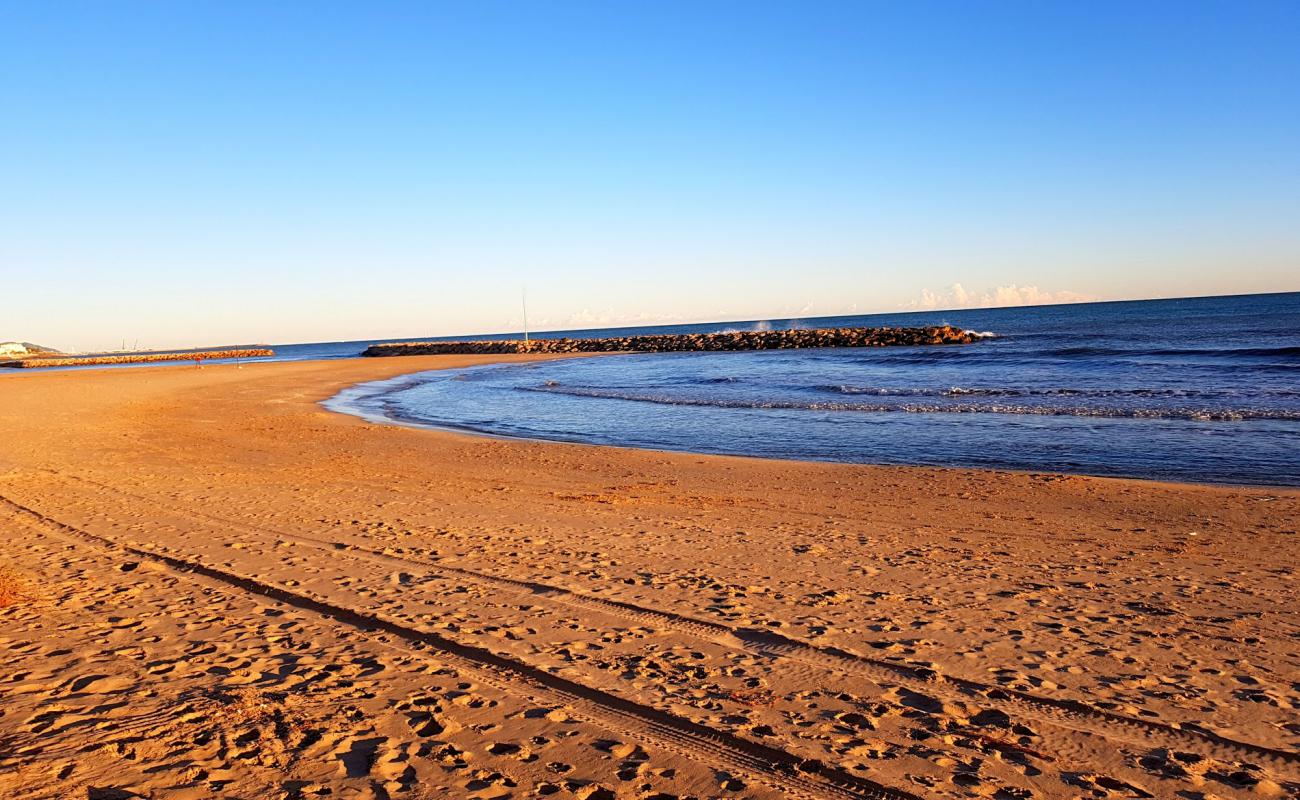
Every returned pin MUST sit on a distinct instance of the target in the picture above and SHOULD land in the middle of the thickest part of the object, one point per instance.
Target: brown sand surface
(212, 587)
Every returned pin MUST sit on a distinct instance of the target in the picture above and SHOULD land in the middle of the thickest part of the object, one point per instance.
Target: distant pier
(686, 342)
(134, 358)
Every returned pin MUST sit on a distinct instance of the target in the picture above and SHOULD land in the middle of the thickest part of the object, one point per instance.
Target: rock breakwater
(671, 342)
(134, 358)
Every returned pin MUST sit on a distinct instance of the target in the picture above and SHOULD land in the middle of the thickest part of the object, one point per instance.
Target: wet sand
(215, 588)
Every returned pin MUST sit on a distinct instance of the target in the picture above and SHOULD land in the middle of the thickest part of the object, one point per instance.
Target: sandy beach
(216, 588)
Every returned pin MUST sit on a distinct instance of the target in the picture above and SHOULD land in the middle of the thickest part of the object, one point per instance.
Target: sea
(1200, 389)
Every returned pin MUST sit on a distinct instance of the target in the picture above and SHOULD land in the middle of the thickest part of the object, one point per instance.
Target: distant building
(13, 349)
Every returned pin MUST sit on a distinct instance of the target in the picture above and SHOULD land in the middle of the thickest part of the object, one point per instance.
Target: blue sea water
(1202, 389)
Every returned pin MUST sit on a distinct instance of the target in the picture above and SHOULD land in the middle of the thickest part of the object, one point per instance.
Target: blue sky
(204, 172)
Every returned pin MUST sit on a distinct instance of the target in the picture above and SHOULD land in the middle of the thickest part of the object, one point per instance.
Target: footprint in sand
(357, 760)
(101, 683)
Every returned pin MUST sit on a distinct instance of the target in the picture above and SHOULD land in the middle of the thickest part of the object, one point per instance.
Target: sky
(196, 173)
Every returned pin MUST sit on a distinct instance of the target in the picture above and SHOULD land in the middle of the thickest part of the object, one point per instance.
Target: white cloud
(959, 296)
(609, 318)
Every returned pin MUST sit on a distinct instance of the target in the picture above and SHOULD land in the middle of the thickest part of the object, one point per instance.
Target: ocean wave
(984, 391)
(761, 325)
(1199, 414)
(1221, 352)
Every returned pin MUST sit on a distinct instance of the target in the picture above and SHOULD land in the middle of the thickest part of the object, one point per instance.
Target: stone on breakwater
(135, 358)
(671, 342)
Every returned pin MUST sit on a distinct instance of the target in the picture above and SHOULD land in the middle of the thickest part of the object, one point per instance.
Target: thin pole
(524, 301)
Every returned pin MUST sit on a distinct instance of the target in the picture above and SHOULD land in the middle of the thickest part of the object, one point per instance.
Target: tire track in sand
(767, 764)
(1071, 714)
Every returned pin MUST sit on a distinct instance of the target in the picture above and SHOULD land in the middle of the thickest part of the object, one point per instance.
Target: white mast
(524, 301)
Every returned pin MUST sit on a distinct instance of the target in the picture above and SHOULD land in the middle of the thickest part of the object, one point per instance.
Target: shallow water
(1205, 389)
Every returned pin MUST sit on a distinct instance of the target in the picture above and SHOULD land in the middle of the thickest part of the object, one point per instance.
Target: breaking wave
(961, 391)
(1167, 412)
(1212, 352)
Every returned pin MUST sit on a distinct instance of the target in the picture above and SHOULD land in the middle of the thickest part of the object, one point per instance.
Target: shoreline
(441, 362)
(355, 408)
(204, 548)
(491, 359)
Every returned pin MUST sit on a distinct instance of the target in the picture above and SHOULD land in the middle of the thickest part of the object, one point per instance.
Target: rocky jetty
(672, 342)
(134, 358)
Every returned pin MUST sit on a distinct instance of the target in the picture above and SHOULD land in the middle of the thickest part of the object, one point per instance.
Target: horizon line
(399, 338)
(822, 316)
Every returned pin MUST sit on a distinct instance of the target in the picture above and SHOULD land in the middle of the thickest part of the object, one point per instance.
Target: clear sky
(202, 172)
